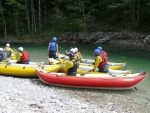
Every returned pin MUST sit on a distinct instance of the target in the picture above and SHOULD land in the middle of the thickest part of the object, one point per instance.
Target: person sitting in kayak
(23, 56)
(103, 55)
(10, 52)
(78, 55)
(71, 66)
(68, 53)
(53, 48)
(3, 55)
(102, 66)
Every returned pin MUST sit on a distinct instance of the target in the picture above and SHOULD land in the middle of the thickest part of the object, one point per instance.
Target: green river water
(138, 59)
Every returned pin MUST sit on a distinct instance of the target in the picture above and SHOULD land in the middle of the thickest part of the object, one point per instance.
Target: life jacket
(73, 70)
(3, 56)
(78, 56)
(53, 46)
(24, 57)
(104, 57)
(6, 50)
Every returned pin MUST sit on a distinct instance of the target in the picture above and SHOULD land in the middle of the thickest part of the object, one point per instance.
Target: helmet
(7, 44)
(96, 51)
(72, 50)
(20, 48)
(71, 56)
(54, 39)
(1, 49)
(76, 49)
(100, 48)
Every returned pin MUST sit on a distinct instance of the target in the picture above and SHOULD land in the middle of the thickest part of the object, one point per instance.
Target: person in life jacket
(103, 55)
(3, 55)
(53, 49)
(70, 51)
(71, 66)
(103, 67)
(78, 55)
(23, 56)
(10, 52)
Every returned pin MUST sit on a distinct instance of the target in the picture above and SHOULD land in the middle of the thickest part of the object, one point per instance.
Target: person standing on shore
(53, 48)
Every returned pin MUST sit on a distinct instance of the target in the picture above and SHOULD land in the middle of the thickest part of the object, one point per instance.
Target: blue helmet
(100, 48)
(97, 52)
(54, 39)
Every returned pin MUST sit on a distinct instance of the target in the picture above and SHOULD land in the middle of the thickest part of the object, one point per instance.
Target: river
(137, 58)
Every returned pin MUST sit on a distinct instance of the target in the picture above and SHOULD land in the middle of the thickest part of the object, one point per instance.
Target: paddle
(15, 50)
(59, 69)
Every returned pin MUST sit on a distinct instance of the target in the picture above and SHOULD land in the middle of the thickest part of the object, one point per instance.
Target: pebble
(28, 95)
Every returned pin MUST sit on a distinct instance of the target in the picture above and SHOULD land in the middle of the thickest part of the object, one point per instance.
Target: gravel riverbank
(30, 95)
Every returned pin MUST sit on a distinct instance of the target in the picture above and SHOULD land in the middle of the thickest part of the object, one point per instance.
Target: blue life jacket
(3, 56)
(53, 46)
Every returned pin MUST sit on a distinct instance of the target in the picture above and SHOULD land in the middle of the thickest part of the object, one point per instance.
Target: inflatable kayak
(90, 61)
(25, 70)
(14, 62)
(84, 67)
(96, 81)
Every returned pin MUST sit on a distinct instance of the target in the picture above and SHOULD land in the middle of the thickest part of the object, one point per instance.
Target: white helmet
(76, 49)
(1, 49)
(20, 48)
(7, 45)
(72, 50)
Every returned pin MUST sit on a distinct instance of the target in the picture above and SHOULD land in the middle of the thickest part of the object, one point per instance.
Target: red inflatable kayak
(96, 81)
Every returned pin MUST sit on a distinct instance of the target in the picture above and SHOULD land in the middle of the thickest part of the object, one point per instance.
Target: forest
(35, 17)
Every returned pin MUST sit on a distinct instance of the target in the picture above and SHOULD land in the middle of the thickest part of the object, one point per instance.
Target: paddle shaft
(15, 50)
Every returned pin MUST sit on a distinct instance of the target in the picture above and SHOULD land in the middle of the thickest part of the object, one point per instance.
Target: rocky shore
(30, 95)
(127, 38)
(118, 38)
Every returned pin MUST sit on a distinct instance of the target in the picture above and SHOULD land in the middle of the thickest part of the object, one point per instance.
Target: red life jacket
(25, 56)
(104, 57)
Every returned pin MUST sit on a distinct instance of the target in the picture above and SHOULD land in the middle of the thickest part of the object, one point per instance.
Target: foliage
(35, 17)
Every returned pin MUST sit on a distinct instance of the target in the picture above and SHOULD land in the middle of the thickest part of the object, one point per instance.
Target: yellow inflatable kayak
(54, 61)
(84, 68)
(25, 70)
(91, 61)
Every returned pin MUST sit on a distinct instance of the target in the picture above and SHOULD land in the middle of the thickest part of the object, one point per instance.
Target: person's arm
(19, 56)
(12, 51)
(97, 62)
(68, 65)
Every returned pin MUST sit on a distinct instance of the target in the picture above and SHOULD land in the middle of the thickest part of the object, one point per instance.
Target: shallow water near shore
(138, 59)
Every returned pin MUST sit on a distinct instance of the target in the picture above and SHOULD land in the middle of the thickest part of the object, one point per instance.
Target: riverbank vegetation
(31, 19)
